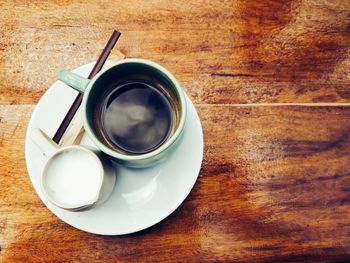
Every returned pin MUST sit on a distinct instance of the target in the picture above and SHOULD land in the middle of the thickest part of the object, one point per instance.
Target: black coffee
(135, 116)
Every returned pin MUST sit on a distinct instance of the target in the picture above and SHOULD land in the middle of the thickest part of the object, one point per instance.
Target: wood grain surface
(275, 179)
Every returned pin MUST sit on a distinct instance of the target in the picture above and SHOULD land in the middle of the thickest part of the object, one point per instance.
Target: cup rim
(67, 205)
(168, 142)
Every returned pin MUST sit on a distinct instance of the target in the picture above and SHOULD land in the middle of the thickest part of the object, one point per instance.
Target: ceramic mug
(91, 89)
(89, 177)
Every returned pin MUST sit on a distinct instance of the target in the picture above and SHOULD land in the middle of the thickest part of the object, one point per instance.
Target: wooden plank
(274, 187)
(221, 51)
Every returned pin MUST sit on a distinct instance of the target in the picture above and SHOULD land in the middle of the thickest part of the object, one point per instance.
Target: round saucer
(141, 197)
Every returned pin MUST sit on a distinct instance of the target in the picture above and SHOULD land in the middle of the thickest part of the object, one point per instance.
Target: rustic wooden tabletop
(271, 83)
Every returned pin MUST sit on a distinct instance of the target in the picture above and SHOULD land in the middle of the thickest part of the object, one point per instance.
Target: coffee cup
(74, 177)
(134, 111)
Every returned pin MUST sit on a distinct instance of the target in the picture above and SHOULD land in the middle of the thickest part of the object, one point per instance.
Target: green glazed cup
(91, 90)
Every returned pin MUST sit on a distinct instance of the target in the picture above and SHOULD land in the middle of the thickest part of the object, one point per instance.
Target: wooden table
(271, 83)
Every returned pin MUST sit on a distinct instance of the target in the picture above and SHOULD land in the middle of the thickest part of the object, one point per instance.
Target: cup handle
(47, 146)
(73, 80)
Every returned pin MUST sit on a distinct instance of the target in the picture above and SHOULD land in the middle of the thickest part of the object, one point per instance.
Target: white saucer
(141, 197)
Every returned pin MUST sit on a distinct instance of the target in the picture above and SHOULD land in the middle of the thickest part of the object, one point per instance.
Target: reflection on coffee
(135, 116)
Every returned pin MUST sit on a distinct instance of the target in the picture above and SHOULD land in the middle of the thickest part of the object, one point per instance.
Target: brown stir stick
(75, 106)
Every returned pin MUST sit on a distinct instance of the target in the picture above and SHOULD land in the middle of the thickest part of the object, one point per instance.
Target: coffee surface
(135, 116)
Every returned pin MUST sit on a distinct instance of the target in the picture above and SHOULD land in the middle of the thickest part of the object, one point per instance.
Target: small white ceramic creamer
(74, 177)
